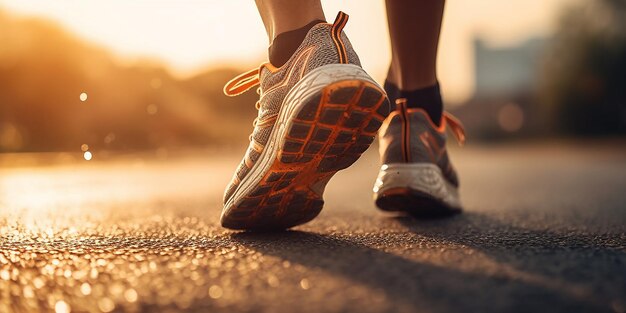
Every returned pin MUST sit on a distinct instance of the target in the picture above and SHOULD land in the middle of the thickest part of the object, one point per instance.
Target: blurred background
(116, 143)
(81, 76)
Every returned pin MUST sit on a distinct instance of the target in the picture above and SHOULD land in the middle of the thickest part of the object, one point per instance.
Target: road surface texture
(544, 231)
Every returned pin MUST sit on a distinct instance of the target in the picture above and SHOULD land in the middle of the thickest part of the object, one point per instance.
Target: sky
(189, 36)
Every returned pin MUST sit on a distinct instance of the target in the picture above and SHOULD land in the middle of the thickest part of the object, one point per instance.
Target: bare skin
(414, 28)
(281, 16)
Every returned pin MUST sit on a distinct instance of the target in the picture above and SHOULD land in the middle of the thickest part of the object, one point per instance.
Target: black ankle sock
(427, 98)
(393, 93)
(285, 44)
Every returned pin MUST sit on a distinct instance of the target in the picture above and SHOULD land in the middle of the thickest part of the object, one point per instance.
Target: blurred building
(506, 70)
(503, 104)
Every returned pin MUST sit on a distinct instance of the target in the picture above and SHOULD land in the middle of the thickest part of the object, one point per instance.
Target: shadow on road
(417, 285)
(563, 257)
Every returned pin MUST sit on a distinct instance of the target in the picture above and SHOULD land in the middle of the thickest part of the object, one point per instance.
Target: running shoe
(417, 176)
(317, 114)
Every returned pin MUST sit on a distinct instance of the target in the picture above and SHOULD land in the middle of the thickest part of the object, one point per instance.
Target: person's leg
(287, 23)
(280, 16)
(414, 27)
(416, 175)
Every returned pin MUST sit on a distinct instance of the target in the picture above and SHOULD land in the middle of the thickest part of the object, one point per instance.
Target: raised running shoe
(317, 114)
(417, 176)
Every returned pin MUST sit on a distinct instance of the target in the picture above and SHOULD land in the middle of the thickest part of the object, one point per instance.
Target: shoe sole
(419, 189)
(320, 135)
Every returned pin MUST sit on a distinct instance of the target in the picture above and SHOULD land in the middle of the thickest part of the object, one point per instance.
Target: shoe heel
(334, 127)
(418, 189)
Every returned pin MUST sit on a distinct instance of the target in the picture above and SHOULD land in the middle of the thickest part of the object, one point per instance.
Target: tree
(584, 81)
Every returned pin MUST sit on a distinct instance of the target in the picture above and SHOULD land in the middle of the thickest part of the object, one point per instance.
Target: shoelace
(455, 126)
(242, 83)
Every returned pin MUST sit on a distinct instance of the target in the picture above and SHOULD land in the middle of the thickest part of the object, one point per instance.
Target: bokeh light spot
(305, 284)
(215, 292)
(130, 295)
(106, 305)
(85, 289)
(109, 138)
(84, 147)
(87, 155)
(61, 307)
(83, 97)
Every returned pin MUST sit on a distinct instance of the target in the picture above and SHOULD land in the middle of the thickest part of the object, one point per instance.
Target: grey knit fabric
(420, 130)
(324, 53)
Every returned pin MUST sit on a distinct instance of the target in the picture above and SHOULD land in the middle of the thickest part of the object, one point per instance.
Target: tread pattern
(330, 132)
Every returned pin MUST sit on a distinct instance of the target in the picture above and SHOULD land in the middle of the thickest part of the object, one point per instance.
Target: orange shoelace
(242, 83)
(456, 127)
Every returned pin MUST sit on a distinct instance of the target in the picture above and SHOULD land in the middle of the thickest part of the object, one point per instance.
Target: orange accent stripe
(441, 128)
(338, 25)
(337, 45)
(270, 67)
(343, 46)
(456, 127)
(447, 119)
(425, 137)
(306, 54)
(407, 127)
(401, 104)
(387, 121)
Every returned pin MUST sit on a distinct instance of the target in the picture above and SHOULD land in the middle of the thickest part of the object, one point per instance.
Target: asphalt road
(544, 231)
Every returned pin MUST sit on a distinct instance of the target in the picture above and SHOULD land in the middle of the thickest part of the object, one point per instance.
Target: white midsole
(423, 177)
(309, 85)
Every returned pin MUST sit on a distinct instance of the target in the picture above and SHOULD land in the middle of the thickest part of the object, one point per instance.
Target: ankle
(393, 93)
(285, 44)
(423, 77)
(413, 82)
(427, 98)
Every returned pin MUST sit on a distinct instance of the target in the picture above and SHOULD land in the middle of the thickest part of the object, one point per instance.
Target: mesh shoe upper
(409, 136)
(318, 48)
